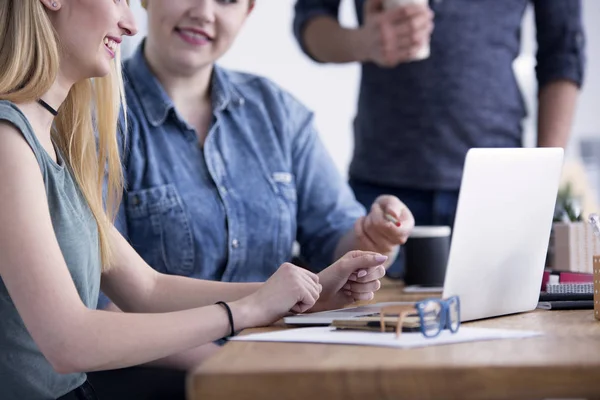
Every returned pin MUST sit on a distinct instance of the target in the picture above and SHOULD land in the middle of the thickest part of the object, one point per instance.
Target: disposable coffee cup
(425, 51)
(426, 255)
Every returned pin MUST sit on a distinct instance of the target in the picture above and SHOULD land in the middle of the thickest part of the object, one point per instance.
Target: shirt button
(235, 243)
(136, 200)
(223, 190)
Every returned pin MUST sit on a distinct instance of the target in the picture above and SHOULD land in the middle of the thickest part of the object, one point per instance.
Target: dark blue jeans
(429, 207)
(139, 383)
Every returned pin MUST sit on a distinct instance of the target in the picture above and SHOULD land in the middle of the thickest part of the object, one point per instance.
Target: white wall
(267, 47)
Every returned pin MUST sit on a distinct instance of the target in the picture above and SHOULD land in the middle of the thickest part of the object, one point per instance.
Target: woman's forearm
(187, 359)
(135, 287)
(173, 293)
(99, 340)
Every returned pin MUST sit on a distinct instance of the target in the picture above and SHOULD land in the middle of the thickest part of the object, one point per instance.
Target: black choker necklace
(47, 107)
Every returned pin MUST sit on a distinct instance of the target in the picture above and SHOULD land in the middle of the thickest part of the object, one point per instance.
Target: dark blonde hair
(29, 64)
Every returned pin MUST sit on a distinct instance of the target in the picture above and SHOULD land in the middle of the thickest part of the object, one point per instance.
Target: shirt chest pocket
(159, 229)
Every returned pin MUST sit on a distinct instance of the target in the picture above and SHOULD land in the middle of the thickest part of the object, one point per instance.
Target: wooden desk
(564, 363)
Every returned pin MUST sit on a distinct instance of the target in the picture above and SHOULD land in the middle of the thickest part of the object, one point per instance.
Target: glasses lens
(431, 311)
(454, 311)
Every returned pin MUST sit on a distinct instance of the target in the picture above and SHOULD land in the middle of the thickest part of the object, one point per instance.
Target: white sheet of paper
(406, 340)
(422, 289)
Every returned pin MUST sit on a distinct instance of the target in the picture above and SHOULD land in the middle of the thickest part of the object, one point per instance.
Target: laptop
(501, 235)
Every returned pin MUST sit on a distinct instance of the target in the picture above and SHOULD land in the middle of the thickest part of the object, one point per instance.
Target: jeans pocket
(159, 229)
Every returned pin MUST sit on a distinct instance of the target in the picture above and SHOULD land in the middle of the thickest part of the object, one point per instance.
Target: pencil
(392, 219)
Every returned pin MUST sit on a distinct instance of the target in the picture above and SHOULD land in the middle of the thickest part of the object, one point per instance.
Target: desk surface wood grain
(563, 363)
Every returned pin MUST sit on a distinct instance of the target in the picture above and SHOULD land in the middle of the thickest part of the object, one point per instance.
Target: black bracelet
(229, 315)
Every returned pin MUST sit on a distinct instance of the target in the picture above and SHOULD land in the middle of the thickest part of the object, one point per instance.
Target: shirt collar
(156, 102)
(153, 98)
(224, 92)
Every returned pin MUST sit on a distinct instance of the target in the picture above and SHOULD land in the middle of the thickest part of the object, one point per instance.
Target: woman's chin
(101, 70)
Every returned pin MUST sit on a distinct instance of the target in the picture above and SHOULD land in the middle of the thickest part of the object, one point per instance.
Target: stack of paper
(406, 340)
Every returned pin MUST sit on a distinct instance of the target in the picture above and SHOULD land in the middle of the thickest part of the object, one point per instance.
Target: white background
(267, 47)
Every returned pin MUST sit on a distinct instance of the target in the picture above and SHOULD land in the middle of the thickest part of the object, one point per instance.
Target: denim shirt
(231, 209)
(416, 121)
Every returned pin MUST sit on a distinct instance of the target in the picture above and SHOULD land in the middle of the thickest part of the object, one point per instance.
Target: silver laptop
(502, 229)
(501, 234)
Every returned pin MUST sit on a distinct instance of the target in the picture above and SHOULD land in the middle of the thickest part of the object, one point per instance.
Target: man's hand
(390, 37)
(353, 277)
(388, 224)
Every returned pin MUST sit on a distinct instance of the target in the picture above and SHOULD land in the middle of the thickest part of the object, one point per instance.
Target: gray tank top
(24, 371)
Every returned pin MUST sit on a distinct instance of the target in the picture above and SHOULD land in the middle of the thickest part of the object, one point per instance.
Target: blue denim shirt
(415, 122)
(231, 209)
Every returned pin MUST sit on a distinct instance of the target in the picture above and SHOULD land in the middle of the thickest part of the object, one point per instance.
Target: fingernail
(361, 273)
(347, 286)
(380, 258)
(348, 293)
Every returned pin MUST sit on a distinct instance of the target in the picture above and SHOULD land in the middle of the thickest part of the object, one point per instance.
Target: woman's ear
(251, 6)
(53, 5)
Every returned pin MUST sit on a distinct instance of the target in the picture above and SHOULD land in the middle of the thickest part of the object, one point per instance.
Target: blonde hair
(28, 67)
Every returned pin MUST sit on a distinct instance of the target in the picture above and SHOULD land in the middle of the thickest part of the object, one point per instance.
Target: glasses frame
(419, 307)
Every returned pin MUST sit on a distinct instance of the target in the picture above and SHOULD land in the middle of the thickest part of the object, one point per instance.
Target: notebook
(585, 288)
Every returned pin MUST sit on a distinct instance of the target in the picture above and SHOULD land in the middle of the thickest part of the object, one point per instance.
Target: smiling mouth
(111, 45)
(193, 37)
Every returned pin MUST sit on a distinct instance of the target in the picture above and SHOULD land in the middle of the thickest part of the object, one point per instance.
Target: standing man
(416, 120)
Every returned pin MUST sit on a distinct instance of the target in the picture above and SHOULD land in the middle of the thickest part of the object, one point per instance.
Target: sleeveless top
(24, 371)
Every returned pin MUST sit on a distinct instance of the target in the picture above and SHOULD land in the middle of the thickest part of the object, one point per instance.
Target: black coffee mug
(426, 255)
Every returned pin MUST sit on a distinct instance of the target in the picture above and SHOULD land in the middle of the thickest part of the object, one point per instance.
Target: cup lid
(430, 231)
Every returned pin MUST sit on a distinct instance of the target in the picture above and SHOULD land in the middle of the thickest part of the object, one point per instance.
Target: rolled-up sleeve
(561, 41)
(305, 10)
(327, 208)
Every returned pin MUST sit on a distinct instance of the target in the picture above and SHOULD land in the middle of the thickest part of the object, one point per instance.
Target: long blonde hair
(29, 63)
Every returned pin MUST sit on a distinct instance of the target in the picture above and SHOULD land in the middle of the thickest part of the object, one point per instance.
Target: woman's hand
(388, 225)
(353, 277)
(289, 289)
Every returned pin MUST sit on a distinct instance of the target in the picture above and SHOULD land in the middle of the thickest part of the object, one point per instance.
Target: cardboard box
(572, 247)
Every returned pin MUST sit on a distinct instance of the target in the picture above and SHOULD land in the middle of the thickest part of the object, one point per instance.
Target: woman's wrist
(227, 309)
(242, 313)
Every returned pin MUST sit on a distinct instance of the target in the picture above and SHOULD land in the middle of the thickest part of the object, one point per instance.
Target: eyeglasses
(434, 315)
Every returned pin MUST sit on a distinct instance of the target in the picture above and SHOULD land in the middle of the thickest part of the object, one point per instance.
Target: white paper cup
(425, 51)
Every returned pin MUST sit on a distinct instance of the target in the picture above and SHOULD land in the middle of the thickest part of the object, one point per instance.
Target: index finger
(357, 260)
(373, 274)
(391, 205)
(382, 215)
